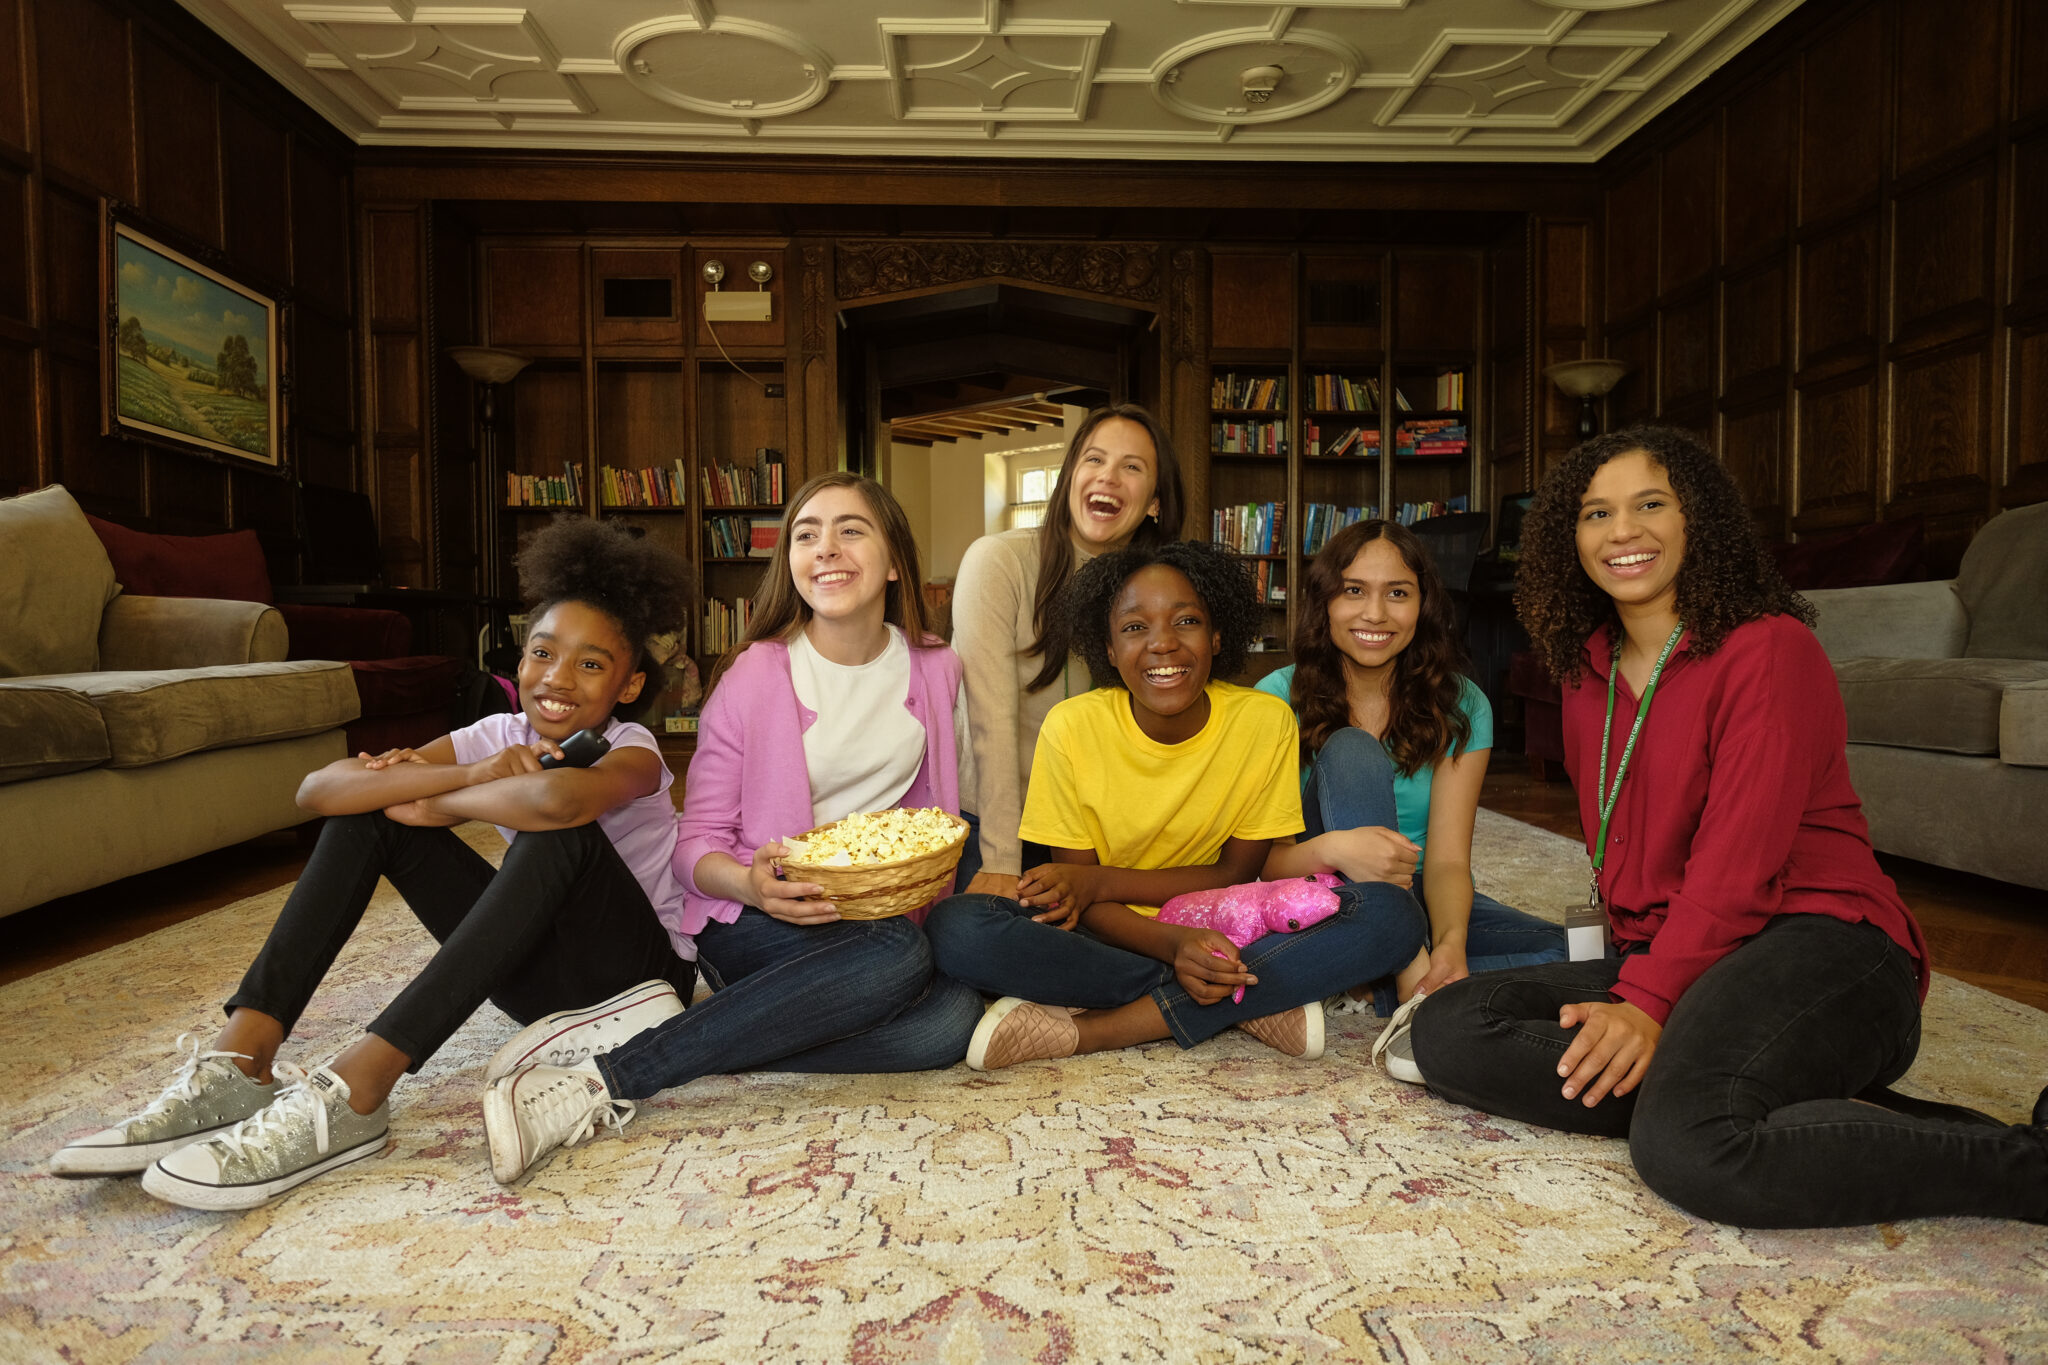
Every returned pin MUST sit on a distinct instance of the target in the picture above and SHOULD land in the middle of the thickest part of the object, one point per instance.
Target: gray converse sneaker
(306, 1131)
(567, 1037)
(209, 1093)
(539, 1108)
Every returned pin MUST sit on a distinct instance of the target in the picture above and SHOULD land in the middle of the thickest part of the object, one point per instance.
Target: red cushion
(229, 566)
(1864, 556)
(398, 687)
(351, 633)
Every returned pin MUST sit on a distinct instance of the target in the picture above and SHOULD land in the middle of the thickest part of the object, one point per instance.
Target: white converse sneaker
(539, 1108)
(308, 1130)
(567, 1037)
(208, 1094)
(1394, 1050)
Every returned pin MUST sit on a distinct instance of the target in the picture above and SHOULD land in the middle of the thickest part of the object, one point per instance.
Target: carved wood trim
(1119, 270)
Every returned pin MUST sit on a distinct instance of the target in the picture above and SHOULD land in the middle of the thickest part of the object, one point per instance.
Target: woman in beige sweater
(1118, 484)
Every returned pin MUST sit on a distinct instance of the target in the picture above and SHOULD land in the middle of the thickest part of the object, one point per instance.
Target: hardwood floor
(1991, 934)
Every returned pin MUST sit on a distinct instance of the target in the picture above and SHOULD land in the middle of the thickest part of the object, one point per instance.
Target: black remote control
(580, 750)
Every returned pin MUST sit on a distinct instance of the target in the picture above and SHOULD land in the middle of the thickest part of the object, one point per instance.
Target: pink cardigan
(748, 784)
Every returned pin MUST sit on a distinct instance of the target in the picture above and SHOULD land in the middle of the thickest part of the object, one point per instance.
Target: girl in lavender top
(576, 913)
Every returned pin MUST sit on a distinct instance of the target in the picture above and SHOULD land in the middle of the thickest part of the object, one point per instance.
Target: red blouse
(1737, 806)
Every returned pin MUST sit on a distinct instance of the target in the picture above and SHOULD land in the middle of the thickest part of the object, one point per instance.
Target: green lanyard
(1606, 795)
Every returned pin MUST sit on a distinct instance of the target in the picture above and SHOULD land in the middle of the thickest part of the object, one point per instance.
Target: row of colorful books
(728, 484)
(1248, 392)
(1363, 442)
(1408, 513)
(545, 490)
(1248, 438)
(1252, 528)
(1431, 436)
(654, 486)
(740, 537)
(725, 623)
(1268, 583)
(1335, 393)
(1321, 520)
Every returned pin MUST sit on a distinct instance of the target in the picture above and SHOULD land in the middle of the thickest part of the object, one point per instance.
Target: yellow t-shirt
(1097, 781)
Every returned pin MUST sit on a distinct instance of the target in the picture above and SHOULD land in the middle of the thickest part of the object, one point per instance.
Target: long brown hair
(1424, 720)
(1725, 580)
(780, 610)
(1056, 542)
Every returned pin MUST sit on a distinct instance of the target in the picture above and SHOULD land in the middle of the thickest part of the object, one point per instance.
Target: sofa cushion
(229, 565)
(1949, 705)
(54, 581)
(2023, 725)
(2003, 582)
(47, 729)
(152, 716)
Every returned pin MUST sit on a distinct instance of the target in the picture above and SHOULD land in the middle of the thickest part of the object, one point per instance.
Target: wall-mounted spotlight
(760, 272)
(737, 307)
(714, 273)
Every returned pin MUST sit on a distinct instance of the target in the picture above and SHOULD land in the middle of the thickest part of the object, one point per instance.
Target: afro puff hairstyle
(642, 587)
(1219, 580)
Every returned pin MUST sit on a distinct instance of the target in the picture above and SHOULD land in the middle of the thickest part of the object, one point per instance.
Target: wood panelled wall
(1834, 259)
(135, 101)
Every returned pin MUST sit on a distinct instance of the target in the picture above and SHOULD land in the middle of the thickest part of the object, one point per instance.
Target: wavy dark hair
(1219, 579)
(1726, 579)
(1424, 720)
(642, 586)
(1055, 534)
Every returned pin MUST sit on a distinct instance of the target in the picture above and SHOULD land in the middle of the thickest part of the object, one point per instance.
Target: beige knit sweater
(992, 630)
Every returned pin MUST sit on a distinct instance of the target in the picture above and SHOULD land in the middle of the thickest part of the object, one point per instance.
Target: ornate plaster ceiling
(1356, 80)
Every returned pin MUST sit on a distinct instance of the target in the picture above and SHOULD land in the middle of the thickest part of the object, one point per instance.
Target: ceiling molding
(1359, 80)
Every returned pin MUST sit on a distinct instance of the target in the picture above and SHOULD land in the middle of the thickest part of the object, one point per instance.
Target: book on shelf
(1337, 393)
(1321, 520)
(730, 484)
(725, 623)
(762, 533)
(1253, 528)
(1248, 392)
(1359, 442)
(1408, 513)
(729, 536)
(1248, 438)
(1431, 436)
(654, 486)
(1450, 391)
(545, 490)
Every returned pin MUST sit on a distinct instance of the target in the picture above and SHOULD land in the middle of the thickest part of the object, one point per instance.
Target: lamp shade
(1586, 378)
(486, 365)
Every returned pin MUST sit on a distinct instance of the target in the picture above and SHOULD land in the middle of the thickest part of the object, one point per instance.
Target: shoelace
(184, 1085)
(561, 1100)
(267, 1124)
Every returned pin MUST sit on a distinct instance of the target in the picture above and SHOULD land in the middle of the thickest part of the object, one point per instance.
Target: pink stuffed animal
(1244, 914)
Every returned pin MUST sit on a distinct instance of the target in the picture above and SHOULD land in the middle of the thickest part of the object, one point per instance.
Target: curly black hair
(1219, 579)
(1726, 579)
(642, 586)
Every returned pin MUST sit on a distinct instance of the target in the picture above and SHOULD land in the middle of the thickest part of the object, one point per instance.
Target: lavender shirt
(643, 830)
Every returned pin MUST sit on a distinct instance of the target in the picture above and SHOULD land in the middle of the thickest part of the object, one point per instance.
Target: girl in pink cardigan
(840, 702)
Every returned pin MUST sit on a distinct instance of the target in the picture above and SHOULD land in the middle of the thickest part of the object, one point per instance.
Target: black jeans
(1765, 1103)
(561, 925)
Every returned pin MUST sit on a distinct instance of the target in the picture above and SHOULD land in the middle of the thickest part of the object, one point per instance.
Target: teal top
(1411, 790)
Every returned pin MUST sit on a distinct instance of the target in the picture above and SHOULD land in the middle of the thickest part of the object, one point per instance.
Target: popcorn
(883, 836)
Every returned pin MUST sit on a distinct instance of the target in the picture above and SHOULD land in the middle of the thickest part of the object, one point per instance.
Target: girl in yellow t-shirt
(1161, 781)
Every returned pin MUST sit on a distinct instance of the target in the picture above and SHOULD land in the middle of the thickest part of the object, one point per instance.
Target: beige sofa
(1946, 686)
(137, 731)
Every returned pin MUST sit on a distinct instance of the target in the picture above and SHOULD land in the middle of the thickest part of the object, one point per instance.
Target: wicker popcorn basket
(879, 890)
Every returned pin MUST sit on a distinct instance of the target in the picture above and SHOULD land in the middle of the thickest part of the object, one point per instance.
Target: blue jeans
(1351, 786)
(1765, 1104)
(850, 996)
(992, 944)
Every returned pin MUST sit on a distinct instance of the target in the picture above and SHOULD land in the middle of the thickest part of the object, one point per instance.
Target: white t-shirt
(865, 748)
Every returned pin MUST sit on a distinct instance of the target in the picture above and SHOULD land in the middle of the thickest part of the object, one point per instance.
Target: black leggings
(563, 924)
(1765, 1105)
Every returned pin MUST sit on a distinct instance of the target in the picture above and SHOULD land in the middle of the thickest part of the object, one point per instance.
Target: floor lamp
(1588, 381)
(490, 370)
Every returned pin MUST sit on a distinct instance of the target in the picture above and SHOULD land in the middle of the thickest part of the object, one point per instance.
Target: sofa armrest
(1892, 621)
(188, 632)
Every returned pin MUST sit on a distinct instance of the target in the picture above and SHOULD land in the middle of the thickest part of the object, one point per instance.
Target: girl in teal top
(1394, 744)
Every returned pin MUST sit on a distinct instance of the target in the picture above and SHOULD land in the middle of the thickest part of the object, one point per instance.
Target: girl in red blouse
(1764, 981)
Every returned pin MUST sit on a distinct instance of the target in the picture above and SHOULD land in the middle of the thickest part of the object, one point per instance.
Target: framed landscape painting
(191, 359)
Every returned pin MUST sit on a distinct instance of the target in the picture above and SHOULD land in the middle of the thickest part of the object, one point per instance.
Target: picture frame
(191, 359)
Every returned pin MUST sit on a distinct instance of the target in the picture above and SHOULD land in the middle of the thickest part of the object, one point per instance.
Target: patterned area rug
(1216, 1205)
